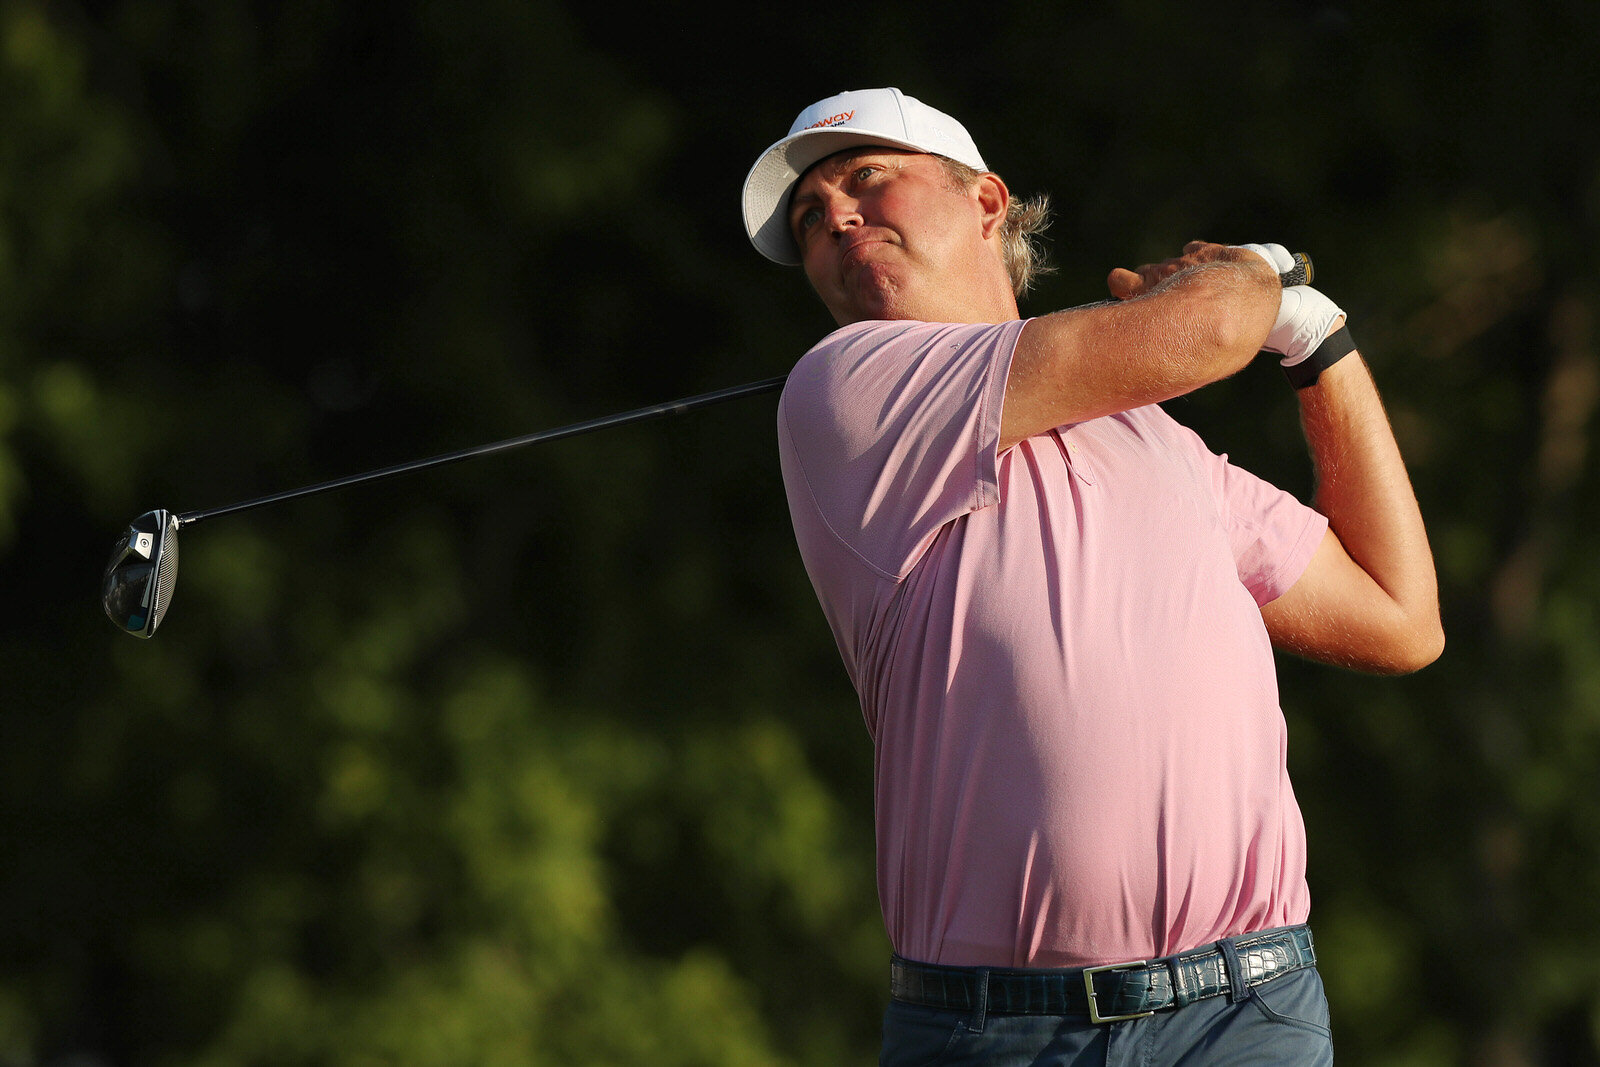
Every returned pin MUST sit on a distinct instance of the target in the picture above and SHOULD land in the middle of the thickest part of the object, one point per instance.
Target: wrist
(1306, 319)
(1303, 372)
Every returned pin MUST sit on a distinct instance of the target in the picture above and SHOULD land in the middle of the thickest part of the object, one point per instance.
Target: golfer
(1059, 607)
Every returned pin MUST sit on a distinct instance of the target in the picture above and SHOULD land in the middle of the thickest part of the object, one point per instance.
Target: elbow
(1430, 647)
(1416, 648)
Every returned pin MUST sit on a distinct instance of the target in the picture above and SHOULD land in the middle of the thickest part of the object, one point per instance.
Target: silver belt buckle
(1094, 1007)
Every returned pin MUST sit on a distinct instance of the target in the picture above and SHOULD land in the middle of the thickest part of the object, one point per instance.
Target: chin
(881, 298)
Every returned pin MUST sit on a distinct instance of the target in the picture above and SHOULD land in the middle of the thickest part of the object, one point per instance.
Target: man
(1058, 607)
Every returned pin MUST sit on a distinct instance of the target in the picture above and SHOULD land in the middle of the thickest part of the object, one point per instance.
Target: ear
(993, 199)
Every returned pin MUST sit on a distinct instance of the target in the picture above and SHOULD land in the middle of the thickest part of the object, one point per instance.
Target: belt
(1115, 991)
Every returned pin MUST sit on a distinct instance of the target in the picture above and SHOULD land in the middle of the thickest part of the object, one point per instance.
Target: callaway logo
(833, 120)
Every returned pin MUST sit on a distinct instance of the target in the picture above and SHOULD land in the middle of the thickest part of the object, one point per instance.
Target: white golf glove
(1301, 334)
(1281, 259)
(1305, 317)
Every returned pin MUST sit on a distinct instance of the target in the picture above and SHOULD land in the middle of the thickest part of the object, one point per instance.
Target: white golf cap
(859, 117)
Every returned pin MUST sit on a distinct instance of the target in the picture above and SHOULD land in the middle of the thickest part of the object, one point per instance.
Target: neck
(983, 298)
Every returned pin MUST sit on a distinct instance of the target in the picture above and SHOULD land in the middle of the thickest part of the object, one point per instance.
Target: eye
(807, 219)
(862, 173)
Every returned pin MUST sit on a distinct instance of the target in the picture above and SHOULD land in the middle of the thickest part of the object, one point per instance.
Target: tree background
(548, 758)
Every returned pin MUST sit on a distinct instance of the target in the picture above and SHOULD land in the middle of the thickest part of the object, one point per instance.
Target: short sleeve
(1273, 535)
(889, 430)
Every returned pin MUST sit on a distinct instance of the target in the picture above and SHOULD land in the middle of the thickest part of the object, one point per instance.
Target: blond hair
(1021, 245)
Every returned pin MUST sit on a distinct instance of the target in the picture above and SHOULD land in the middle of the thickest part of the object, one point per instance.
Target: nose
(841, 213)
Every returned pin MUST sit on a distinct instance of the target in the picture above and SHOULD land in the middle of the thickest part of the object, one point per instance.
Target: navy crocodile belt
(1113, 992)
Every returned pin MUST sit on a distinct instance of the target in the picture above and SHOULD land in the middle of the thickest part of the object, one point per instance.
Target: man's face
(886, 234)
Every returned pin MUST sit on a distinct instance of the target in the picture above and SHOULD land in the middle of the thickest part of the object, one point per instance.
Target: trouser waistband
(1112, 992)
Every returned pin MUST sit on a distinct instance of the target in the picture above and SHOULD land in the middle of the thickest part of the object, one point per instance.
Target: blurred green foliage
(548, 758)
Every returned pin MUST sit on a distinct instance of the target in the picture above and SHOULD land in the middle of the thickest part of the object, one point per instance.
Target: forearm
(1364, 490)
(1219, 314)
(1193, 327)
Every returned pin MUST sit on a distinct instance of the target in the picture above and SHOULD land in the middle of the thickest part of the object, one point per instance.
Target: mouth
(858, 243)
(858, 251)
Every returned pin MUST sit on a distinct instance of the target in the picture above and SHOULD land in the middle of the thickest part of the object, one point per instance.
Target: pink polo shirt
(1059, 654)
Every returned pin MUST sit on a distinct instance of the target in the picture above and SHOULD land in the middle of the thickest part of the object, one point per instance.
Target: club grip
(1300, 273)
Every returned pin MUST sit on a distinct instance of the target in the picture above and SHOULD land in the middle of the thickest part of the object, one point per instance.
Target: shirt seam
(822, 517)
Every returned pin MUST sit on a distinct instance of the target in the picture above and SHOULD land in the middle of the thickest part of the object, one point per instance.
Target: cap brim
(771, 181)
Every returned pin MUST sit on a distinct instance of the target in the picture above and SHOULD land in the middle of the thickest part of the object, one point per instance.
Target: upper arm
(1336, 613)
(890, 429)
(1201, 325)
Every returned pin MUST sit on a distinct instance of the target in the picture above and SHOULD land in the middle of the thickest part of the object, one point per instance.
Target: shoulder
(873, 380)
(1150, 423)
(1153, 419)
(883, 351)
(876, 335)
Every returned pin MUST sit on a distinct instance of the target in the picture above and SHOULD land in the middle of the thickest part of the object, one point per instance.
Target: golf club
(143, 571)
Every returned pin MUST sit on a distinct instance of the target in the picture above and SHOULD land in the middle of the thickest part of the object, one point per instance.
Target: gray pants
(1283, 1023)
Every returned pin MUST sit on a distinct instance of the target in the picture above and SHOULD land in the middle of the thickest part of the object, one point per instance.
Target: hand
(1278, 256)
(1305, 319)
(1125, 284)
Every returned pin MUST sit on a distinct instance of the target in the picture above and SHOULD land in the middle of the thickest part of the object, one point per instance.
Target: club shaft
(654, 411)
(1300, 274)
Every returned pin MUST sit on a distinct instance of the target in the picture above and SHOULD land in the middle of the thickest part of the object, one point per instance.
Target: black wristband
(1333, 348)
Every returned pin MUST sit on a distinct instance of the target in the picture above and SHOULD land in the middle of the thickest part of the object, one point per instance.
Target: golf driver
(143, 572)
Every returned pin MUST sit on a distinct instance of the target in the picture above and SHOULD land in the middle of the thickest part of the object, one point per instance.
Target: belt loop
(980, 1005)
(1237, 989)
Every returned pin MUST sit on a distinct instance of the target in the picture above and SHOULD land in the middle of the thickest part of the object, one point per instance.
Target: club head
(142, 573)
